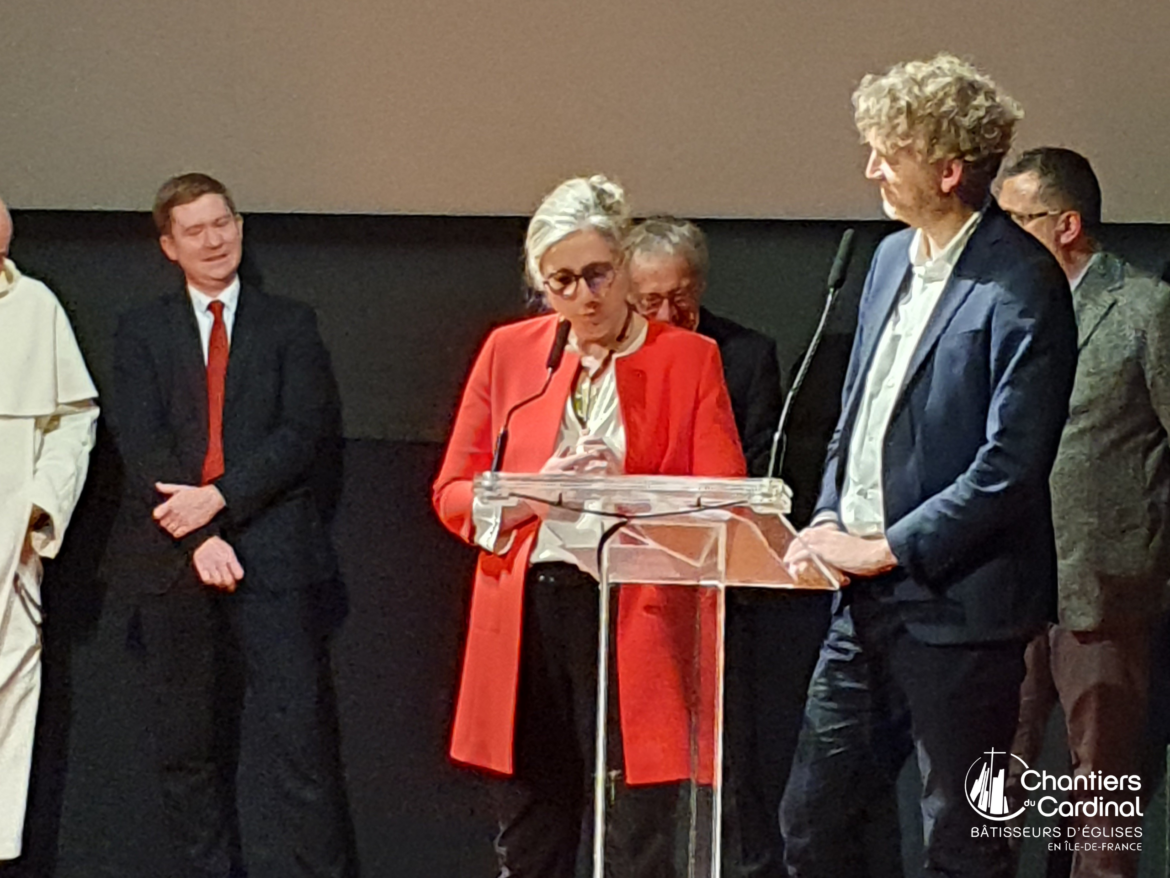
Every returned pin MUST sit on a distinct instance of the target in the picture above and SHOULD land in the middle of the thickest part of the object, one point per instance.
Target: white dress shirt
(568, 536)
(201, 302)
(862, 509)
(1075, 282)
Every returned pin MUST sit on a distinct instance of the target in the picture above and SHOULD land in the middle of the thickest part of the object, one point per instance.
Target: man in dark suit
(668, 268)
(222, 397)
(1110, 491)
(934, 504)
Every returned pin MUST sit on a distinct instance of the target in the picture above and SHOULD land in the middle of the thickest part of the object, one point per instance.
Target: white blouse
(567, 536)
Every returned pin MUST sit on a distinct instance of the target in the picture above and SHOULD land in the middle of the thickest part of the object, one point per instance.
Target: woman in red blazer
(630, 396)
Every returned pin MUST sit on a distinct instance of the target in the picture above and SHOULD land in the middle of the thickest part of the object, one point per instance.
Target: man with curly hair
(934, 505)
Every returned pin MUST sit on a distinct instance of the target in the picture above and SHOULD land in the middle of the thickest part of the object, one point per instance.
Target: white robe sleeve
(60, 469)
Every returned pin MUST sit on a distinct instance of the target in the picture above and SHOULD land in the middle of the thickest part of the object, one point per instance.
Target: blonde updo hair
(596, 203)
(944, 109)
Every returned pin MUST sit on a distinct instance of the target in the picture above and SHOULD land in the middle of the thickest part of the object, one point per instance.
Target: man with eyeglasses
(1110, 491)
(668, 267)
(668, 270)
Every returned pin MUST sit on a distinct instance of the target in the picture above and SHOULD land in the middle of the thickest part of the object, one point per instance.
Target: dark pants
(877, 695)
(547, 801)
(772, 638)
(290, 785)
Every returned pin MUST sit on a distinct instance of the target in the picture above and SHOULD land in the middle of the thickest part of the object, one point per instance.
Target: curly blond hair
(944, 109)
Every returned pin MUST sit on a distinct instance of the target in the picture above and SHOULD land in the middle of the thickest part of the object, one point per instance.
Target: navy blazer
(972, 436)
(280, 410)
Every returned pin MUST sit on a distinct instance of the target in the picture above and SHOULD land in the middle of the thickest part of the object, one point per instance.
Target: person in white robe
(47, 424)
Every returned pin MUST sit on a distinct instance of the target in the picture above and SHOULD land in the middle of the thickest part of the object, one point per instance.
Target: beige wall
(731, 108)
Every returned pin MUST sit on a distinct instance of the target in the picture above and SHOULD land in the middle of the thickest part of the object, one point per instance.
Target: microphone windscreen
(558, 348)
(841, 262)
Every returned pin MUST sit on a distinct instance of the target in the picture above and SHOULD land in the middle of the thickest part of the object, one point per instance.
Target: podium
(680, 531)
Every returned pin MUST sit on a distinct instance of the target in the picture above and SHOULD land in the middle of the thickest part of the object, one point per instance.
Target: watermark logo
(998, 779)
(987, 781)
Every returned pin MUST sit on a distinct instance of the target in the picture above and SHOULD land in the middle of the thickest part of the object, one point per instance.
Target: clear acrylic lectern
(685, 531)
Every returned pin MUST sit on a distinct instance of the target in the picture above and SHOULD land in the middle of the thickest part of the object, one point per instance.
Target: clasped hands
(591, 456)
(844, 555)
(188, 508)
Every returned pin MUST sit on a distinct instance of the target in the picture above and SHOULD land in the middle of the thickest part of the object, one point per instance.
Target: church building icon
(987, 785)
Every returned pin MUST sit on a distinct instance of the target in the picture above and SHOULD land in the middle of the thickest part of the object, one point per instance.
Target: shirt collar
(1076, 281)
(943, 263)
(230, 298)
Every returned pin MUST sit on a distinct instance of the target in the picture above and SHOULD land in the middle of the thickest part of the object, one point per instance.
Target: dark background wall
(403, 303)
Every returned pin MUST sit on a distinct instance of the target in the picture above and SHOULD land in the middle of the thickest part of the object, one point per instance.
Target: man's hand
(39, 519)
(853, 555)
(28, 554)
(216, 563)
(186, 508)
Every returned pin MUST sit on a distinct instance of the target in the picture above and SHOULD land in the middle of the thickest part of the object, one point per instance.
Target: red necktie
(217, 360)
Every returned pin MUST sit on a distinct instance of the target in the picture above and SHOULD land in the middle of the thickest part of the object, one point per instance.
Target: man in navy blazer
(934, 505)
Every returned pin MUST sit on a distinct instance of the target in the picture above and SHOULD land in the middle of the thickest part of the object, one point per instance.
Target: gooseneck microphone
(555, 355)
(836, 280)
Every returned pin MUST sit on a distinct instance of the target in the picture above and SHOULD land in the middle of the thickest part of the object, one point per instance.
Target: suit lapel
(953, 296)
(962, 281)
(190, 369)
(640, 411)
(539, 421)
(551, 409)
(1096, 296)
(887, 284)
(243, 339)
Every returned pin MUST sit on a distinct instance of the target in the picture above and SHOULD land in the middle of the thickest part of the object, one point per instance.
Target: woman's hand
(591, 457)
(521, 513)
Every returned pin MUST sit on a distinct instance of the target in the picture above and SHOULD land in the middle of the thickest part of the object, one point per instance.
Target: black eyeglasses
(1022, 219)
(597, 276)
(681, 298)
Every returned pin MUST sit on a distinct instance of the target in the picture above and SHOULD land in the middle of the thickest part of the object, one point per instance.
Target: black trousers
(545, 808)
(772, 641)
(291, 802)
(877, 695)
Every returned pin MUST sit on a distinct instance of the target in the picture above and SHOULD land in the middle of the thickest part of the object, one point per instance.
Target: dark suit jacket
(279, 408)
(752, 373)
(972, 437)
(1111, 481)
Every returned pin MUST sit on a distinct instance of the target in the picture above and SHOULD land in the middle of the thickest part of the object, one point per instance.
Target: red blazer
(678, 421)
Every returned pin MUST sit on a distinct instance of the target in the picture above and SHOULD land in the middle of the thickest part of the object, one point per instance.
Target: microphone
(557, 352)
(841, 261)
(836, 280)
(555, 355)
